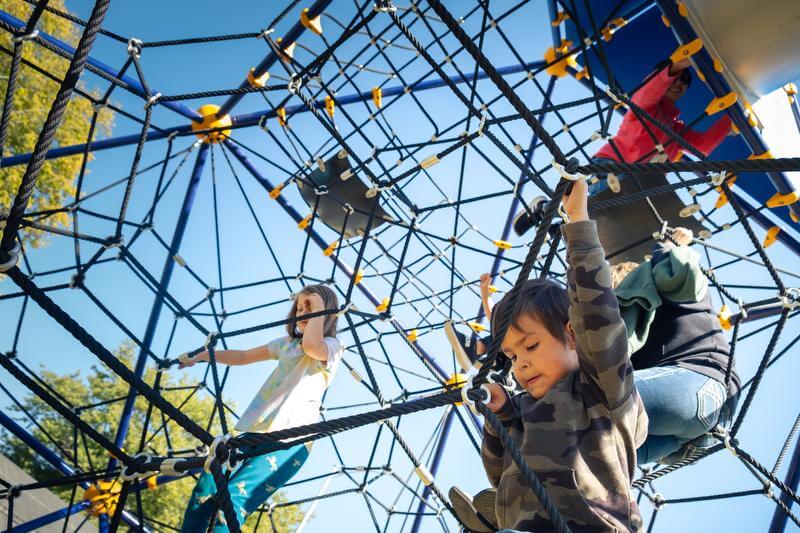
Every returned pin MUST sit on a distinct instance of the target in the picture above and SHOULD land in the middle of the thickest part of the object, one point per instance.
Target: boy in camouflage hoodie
(580, 419)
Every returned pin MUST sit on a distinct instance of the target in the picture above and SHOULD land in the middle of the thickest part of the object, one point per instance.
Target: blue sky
(245, 256)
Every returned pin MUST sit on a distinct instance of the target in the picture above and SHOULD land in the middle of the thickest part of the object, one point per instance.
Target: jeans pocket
(710, 399)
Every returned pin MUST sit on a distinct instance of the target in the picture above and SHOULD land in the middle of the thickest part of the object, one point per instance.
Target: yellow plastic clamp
(257, 81)
(682, 9)
(765, 155)
(359, 276)
(561, 62)
(152, 482)
(721, 201)
(723, 102)
(665, 20)
(103, 497)
(377, 97)
(331, 248)
(718, 65)
(612, 27)
(790, 88)
(561, 17)
(288, 51)
(303, 224)
(503, 245)
(724, 317)
(686, 51)
(281, 112)
(212, 121)
(581, 74)
(314, 24)
(476, 327)
(780, 199)
(456, 381)
(383, 306)
(274, 193)
(793, 217)
(771, 236)
(412, 335)
(330, 106)
(492, 289)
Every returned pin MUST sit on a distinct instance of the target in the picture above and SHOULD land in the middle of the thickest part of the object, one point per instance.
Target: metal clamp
(153, 100)
(169, 467)
(135, 46)
(384, 6)
(469, 402)
(568, 175)
(265, 32)
(790, 300)
(26, 37)
(211, 339)
(611, 94)
(12, 259)
(212, 452)
(742, 309)
(129, 473)
(294, 84)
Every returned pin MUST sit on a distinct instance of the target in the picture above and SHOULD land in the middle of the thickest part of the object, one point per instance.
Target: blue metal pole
(132, 84)
(166, 275)
(49, 518)
(344, 267)
(251, 119)
(795, 105)
(778, 524)
(290, 37)
(437, 457)
(720, 87)
(103, 523)
(51, 457)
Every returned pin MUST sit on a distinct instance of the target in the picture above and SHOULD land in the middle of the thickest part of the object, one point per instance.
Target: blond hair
(620, 271)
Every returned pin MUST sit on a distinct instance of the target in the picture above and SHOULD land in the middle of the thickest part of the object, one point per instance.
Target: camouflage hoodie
(581, 437)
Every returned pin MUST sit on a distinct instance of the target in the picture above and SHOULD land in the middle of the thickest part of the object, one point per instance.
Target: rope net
(449, 122)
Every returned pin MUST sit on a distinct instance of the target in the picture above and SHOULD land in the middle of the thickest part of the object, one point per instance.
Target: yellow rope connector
(257, 81)
(330, 106)
(377, 97)
(722, 201)
(612, 27)
(303, 224)
(665, 20)
(314, 24)
(720, 103)
(581, 74)
(771, 236)
(274, 193)
(413, 335)
(476, 327)
(358, 277)
(152, 482)
(561, 17)
(331, 248)
(212, 121)
(793, 217)
(492, 289)
(682, 9)
(686, 51)
(456, 381)
(781, 199)
(724, 317)
(791, 91)
(560, 62)
(383, 306)
(281, 113)
(288, 51)
(103, 497)
(503, 245)
(718, 65)
(765, 155)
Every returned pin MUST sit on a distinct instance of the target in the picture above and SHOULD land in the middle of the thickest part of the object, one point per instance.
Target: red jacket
(634, 142)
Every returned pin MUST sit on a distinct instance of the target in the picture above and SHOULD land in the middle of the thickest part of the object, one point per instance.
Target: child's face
(304, 307)
(540, 360)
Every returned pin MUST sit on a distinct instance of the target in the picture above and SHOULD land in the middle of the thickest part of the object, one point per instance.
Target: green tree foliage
(32, 100)
(100, 396)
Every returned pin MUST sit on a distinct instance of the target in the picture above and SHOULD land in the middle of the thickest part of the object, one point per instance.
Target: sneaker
(525, 220)
(462, 346)
(466, 513)
(484, 504)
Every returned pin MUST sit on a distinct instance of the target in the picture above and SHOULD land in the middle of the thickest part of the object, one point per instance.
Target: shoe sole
(461, 355)
(523, 213)
(465, 512)
(484, 504)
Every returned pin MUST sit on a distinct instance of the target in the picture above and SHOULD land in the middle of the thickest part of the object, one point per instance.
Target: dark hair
(329, 301)
(542, 299)
(685, 75)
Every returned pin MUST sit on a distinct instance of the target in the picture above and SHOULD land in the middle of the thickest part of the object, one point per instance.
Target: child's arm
(707, 141)
(232, 357)
(600, 335)
(486, 295)
(313, 341)
(492, 449)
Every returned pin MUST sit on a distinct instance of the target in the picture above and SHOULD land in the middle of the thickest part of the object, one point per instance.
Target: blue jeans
(601, 185)
(682, 405)
(250, 485)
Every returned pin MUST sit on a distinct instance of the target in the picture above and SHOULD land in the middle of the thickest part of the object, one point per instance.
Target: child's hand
(184, 361)
(486, 280)
(576, 202)
(498, 398)
(682, 236)
(315, 303)
(683, 64)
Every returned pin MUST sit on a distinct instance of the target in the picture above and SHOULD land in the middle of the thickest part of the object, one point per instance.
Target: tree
(99, 398)
(33, 97)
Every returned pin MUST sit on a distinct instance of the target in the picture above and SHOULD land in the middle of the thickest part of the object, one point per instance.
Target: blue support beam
(166, 276)
(291, 36)
(133, 85)
(778, 524)
(252, 119)
(437, 458)
(49, 518)
(51, 457)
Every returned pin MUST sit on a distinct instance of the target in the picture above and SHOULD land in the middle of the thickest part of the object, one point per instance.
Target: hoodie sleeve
(707, 141)
(649, 94)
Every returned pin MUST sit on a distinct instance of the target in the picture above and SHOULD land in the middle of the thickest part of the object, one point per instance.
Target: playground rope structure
(420, 257)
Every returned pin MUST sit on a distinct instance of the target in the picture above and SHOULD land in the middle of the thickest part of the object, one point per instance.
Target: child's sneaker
(466, 513)
(525, 220)
(463, 347)
(484, 504)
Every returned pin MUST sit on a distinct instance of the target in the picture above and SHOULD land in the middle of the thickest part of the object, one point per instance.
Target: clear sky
(248, 255)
